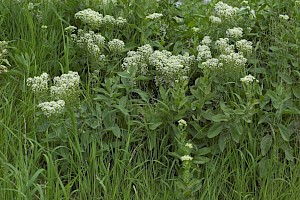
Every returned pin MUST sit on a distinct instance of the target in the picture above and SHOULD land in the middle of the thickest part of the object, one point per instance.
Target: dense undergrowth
(146, 99)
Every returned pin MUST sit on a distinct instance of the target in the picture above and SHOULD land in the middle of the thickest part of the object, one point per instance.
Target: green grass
(119, 140)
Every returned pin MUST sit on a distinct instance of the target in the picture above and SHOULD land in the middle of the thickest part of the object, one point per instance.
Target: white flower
(186, 158)
(235, 32)
(248, 79)
(70, 29)
(203, 52)
(225, 11)
(3, 69)
(244, 46)
(109, 20)
(52, 107)
(222, 44)
(196, 29)
(252, 14)
(212, 63)
(90, 17)
(38, 83)
(189, 145)
(120, 21)
(236, 60)
(182, 122)
(116, 45)
(65, 86)
(154, 16)
(44, 27)
(178, 19)
(215, 20)
(206, 40)
(284, 17)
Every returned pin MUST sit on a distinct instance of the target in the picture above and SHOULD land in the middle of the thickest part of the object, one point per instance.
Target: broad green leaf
(288, 151)
(222, 141)
(266, 144)
(200, 160)
(215, 130)
(142, 94)
(174, 154)
(116, 130)
(203, 151)
(296, 92)
(154, 126)
(220, 118)
(286, 78)
(285, 132)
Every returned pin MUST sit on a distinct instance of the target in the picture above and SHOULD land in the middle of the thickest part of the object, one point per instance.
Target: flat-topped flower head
(52, 108)
(65, 86)
(39, 83)
(90, 17)
(203, 52)
(226, 11)
(248, 79)
(244, 46)
(235, 32)
(284, 17)
(116, 45)
(215, 20)
(182, 123)
(206, 40)
(154, 16)
(186, 158)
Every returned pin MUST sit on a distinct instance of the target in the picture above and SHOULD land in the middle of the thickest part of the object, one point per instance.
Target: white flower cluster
(215, 20)
(196, 29)
(235, 32)
(186, 158)
(138, 59)
(222, 44)
(90, 17)
(178, 19)
(189, 145)
(170, 68)
(225, 11)
(248, 79)
(96, 20)
(65, 86)
(206, 40)
(212, 63)
(284, 17)
(70, 29)
(116, 45)
(203, 52)
(244, 46)
(154, 16)
(52, 108)
(235, 60)
(3, 54)
(182, 123)
(91, 42)
(39, 83)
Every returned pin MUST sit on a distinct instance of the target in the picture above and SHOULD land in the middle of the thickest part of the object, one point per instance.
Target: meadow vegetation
(149, 99)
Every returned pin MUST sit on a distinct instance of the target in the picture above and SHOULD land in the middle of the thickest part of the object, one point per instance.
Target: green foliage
(169, 127)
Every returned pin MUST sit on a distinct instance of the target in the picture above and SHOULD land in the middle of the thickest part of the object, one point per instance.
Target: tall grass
(120, 138)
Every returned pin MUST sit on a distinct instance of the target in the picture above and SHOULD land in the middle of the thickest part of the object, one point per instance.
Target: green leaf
(286, 78)
(285, 132)
(154, 126)
(142, 94)
(296, 92)
(215, 130)
(220, 118)
(174, 154)
(200, 160)
(116, 130)
(203, 151)
(222, 141)
(266, 144)
(288, 151)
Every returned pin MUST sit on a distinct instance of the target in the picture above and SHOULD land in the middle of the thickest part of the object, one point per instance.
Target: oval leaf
(215, 130)
(266, 144)
(285, 133)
